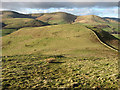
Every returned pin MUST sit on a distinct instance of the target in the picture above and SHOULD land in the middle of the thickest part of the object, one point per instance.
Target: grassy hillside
(57, 56)
(57, 18)
(65, 39)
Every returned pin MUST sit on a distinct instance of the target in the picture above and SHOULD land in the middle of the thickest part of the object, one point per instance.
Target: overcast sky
(103, 9)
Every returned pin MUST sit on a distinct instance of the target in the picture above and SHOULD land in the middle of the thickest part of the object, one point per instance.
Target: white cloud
(104, 12)
(82, 8)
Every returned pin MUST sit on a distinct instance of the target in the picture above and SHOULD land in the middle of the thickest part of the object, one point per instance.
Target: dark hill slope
(13, 14)
(16, 23)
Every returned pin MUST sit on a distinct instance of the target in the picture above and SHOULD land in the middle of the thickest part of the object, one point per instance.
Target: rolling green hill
(55, 39)
(57, 18)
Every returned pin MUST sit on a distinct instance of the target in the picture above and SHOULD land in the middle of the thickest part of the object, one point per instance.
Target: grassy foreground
(34, 71)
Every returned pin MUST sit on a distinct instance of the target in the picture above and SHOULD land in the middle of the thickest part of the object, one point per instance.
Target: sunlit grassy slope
(68, 39)
(116, 35)
(90, 19)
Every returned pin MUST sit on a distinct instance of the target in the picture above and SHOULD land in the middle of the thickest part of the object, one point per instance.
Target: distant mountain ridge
(115, 19)
(57, 17)
(15, 20)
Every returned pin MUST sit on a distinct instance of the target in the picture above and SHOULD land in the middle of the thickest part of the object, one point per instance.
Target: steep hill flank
(74, 40)
(106, 38)
(57, 18)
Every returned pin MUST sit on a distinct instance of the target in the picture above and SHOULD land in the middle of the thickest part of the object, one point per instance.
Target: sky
(103, 9)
